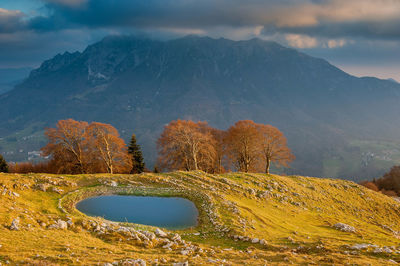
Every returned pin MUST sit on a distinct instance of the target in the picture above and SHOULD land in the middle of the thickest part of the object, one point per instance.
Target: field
(252, 219)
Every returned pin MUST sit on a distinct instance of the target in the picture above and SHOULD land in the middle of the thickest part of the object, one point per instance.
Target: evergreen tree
(136, 155)
(3, 165)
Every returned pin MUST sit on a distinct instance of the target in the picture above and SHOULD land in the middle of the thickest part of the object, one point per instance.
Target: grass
(296, 218)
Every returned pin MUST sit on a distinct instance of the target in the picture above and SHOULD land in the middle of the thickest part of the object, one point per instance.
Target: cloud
(301, 41)
(333, 19)
(10, 21)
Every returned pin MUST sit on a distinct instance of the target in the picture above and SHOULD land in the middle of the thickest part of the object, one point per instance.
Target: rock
(42, 187)
(344, 227)
(62, 224)
(160, 233)
(360, 246)
(185, 252)
(15, 224)
(181, 264)
(15, 194)
(114, 184)
(263, 242)
(255, 240)
(57, 190)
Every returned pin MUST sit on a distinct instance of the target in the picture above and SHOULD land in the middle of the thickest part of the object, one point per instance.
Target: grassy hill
(244, 218)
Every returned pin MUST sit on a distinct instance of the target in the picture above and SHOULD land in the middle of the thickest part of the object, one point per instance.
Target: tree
(3, 165)
(273, 147)
(67, 146)
(243, 145)
(135, 152)
(219, 146)
(390, 181)
(369, 185)
(186, 145)
(104, 144)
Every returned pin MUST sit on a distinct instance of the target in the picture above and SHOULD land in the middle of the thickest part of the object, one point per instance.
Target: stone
(344, 227)
(62, 224)
(57, 190)
(181, 264)
(42, 187)
(160, 233)
(15, 224)
(114, 184)
(255, 240)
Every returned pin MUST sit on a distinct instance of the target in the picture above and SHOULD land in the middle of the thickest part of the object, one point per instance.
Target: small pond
(166, 212)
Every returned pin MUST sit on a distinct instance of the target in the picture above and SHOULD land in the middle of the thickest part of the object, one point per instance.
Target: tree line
(77, 147)
(388, 184)
(246, 146)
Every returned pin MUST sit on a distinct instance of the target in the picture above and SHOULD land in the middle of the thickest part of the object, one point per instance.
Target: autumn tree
(369, 185)
(186, 145)
(273, 145)
(243, 145)
(67, 146)
(390, 181)
(220, 151)
(135, 153)
(104, 144)
(3, 165)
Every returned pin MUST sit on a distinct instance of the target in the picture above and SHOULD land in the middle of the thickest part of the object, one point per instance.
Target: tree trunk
(267, 166)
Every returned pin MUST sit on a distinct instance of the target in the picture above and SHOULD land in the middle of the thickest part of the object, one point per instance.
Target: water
(170, 213)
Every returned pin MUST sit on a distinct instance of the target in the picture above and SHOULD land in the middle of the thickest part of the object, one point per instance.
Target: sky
(361, 37)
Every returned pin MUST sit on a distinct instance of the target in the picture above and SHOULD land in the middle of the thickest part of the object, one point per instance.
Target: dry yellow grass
(294, 215)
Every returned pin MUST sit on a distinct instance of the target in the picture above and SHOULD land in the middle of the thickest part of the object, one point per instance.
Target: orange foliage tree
(67, 146)
(104, 144)
(243, 147)
(186, 145)
(76, 147)
(274, 147)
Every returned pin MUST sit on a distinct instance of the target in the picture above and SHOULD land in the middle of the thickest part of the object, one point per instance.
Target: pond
(167, 212)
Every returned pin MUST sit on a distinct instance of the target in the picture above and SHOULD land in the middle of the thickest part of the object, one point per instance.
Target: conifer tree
(3, 165)
(136, 156)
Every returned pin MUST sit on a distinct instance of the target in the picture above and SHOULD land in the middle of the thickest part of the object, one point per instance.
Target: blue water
(170, 213)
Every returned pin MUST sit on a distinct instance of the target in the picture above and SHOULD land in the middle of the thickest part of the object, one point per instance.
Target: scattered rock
(344, 227)
(160, 233)
(42, 187)
(15, 224)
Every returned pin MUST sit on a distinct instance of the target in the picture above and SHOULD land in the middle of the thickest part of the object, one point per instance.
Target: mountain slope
(139, 85)
(250, 219)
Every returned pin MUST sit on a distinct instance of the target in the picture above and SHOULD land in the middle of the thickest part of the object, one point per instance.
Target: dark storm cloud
(326, 18)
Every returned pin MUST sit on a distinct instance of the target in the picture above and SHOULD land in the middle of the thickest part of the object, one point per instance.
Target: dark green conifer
(3, 165)
(136, 155)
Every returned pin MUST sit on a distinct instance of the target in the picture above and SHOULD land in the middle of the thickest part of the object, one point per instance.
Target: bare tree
(186, 145)
(105, 144)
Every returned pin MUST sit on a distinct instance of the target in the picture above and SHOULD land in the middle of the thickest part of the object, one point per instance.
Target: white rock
(255, 240)
(160, 233)
(344, 227)
(15, 224)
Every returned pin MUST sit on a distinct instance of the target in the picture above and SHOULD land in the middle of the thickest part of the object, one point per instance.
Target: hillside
(337, 125)
(244, 218)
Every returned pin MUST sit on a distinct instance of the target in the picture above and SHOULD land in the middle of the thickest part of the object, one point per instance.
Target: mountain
(9, 77)
(337, 125)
